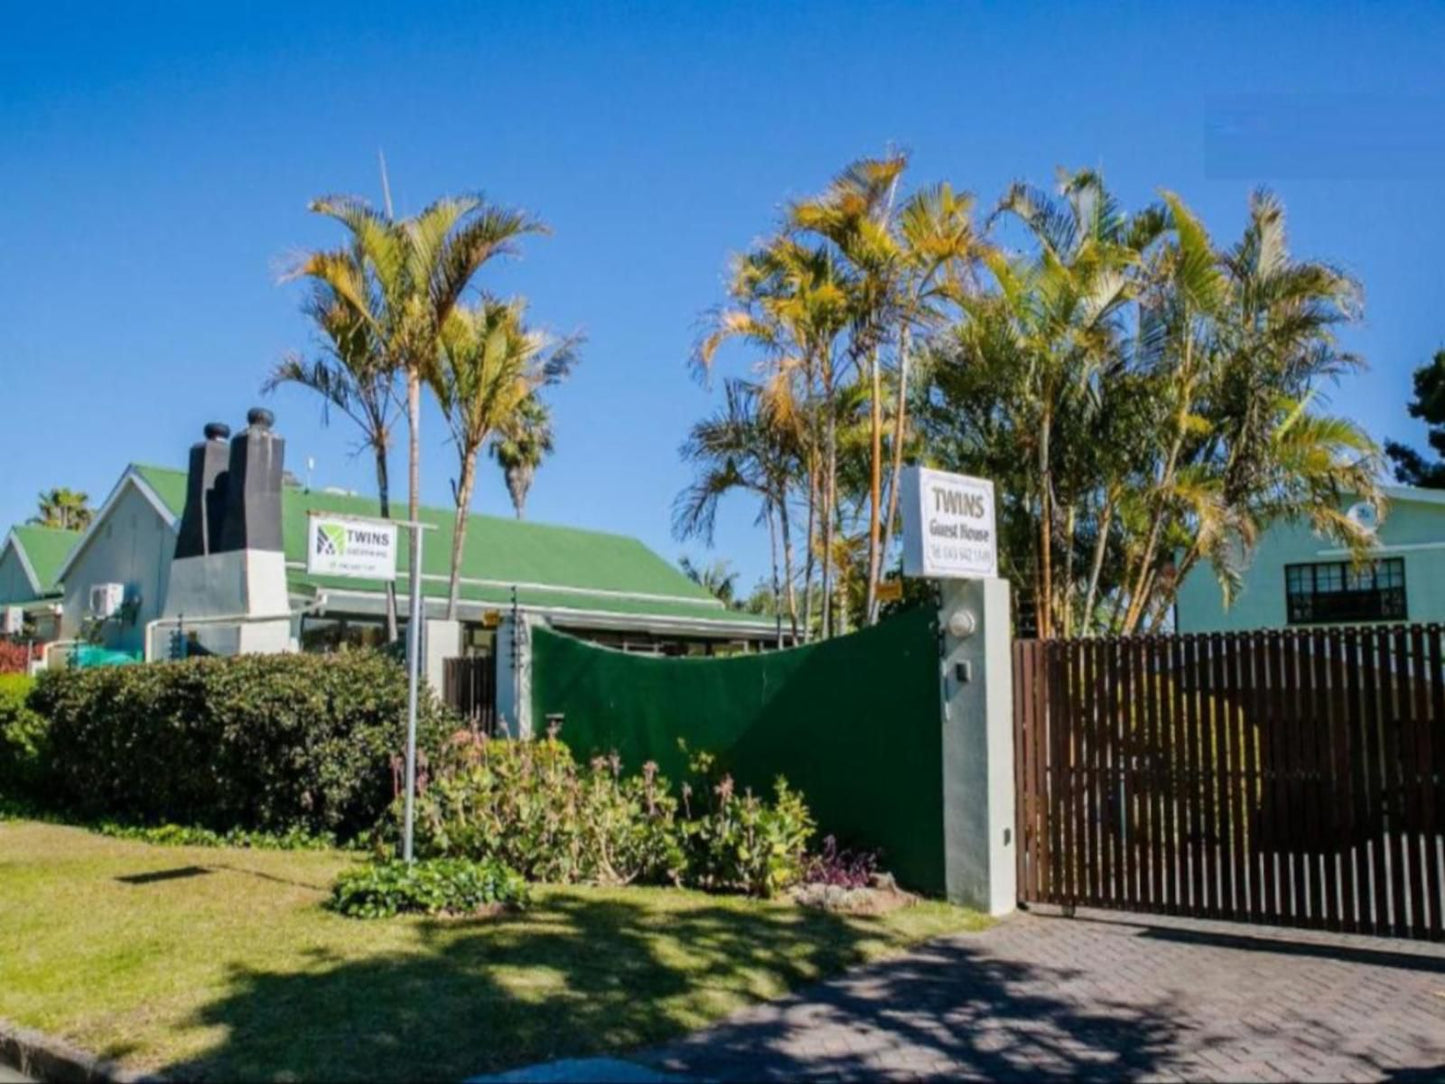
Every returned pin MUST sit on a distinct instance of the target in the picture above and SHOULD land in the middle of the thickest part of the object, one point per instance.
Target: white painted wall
(133, 546)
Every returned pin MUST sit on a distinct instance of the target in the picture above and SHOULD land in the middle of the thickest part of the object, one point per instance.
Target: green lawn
(227, 967)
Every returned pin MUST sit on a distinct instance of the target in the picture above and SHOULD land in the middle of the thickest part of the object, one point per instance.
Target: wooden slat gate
(1285, 777)
(470, 689)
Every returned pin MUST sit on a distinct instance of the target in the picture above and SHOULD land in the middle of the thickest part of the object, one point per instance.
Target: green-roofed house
(603, 587)
(30, 559)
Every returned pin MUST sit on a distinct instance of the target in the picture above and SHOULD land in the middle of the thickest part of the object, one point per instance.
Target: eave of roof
(548, 599)
(1414, 494)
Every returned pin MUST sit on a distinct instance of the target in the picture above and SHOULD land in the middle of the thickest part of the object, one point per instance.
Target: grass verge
(220, 963)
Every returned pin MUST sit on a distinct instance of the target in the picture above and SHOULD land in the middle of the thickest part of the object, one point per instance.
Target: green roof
(563, 567)
(45, 548)
(169, 485)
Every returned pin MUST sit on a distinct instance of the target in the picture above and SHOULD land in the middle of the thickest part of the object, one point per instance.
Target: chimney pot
(260, 418)
(218, 431)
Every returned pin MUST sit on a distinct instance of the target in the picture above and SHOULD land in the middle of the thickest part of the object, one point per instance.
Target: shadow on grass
(580, 977)
(573, 977)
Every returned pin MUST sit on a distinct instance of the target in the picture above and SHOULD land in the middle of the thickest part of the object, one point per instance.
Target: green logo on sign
(330, 540)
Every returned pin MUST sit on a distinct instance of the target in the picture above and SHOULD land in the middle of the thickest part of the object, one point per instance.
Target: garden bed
(222, 963)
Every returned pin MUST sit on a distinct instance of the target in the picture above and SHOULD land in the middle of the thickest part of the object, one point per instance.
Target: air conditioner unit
(106, 599)
(12, 621)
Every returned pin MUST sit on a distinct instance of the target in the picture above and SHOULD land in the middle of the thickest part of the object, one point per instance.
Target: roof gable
(141, 479)
(42, 552)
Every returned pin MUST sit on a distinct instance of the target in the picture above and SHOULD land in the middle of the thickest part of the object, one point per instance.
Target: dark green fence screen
(853, 723)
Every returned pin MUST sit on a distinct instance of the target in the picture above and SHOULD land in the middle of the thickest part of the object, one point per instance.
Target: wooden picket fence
(469, 687)
(1283, 777)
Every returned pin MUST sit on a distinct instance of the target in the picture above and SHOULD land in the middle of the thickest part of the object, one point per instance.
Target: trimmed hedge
(268, 743)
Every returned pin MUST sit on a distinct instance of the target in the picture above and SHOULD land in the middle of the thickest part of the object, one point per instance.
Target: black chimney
(253, 487)
(200, 531)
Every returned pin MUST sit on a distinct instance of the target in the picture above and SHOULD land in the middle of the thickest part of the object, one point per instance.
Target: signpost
(364, 548)
(349, 546)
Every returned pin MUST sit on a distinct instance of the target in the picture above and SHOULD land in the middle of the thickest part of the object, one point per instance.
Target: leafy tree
(65, 509)
(491, 363)
(1412, 468)
(354, 376)
(520, 446)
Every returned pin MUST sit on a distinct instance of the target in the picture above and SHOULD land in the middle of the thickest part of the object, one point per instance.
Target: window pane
(1338, 592)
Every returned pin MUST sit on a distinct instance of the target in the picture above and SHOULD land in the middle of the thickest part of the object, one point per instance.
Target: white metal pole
(415, 623)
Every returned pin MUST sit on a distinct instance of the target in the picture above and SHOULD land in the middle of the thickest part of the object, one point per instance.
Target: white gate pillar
(978, 745)
(514, 674)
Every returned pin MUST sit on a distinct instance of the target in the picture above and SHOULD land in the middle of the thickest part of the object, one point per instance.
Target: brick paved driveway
(1107, 997)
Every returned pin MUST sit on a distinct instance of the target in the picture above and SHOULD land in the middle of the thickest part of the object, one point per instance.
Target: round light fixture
(962, 624)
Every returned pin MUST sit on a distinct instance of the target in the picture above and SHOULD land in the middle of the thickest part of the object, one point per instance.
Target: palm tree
(743, 448)
(1269, 454)
(790, 301)
(717, 579)
(1065, 319)
(1147, 403)
(520, 446)
(854, 215)
(351, 376)
(937, 252)
(404, 278)
(491, 363)
(64, 509)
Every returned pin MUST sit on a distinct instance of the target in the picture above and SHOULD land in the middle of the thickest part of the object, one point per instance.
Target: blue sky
(156, 170)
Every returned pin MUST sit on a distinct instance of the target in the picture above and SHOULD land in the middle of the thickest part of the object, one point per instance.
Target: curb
(45, 1058)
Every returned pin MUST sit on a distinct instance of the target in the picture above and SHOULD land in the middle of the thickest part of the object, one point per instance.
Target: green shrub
(747, 845)
(528, 804)
(269, 743)
(440, 886)
(22, 740)
(178, 835)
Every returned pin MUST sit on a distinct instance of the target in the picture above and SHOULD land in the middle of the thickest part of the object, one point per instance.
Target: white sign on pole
(362, 549)
(949, 526)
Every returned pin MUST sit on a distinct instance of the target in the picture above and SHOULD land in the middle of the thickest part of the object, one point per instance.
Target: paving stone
(1101, 997)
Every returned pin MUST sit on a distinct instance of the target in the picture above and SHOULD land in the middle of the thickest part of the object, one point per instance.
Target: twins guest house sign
(949, 528)
(356, 548)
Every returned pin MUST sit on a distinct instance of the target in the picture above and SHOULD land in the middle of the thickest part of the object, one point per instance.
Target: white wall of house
(131, 545)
